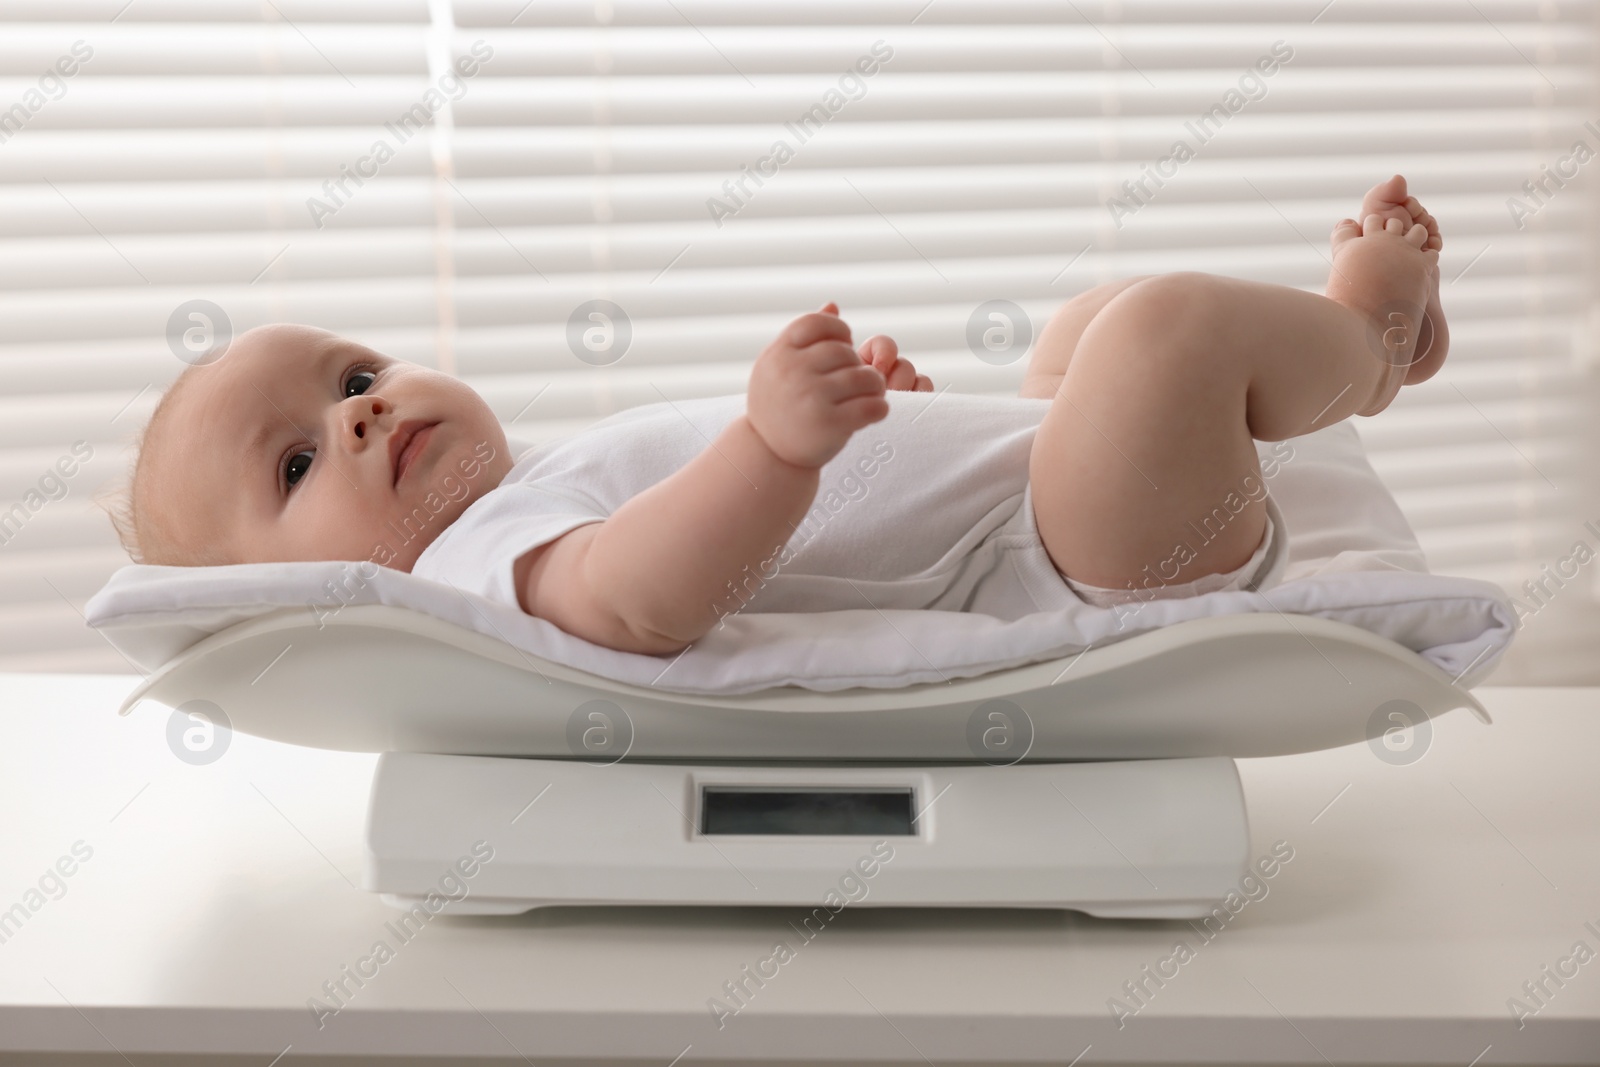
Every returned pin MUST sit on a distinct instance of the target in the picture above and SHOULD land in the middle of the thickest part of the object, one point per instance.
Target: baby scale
(1102, 782)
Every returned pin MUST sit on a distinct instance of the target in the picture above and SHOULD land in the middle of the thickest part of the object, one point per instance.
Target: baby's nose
(367, 414)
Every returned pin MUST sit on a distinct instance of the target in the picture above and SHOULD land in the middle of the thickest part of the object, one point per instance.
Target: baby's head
(286, 448)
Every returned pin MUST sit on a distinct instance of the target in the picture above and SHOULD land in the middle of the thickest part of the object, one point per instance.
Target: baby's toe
(1372, 225)
(1435, 238)
(1416, 236)
(1387, 197)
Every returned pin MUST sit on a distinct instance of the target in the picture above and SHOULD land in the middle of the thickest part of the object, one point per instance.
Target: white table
(218, 899)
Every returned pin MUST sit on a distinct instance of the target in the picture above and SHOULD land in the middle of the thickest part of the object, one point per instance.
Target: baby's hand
(884, 354)
(809, 391)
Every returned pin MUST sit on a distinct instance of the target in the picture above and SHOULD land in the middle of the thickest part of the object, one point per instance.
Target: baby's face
(286, 447)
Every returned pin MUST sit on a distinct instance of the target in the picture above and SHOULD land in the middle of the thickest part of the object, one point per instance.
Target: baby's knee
(1162, 312)
(1075, 313)
(1180, 297)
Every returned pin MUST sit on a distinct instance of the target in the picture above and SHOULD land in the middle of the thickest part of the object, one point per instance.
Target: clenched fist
(810, 392)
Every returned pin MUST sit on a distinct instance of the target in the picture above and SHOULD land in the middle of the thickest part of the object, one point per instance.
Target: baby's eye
(359, 374)
(294, 470)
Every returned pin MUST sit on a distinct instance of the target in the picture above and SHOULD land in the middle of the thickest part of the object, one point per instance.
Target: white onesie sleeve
(478, 551)
(565, 483)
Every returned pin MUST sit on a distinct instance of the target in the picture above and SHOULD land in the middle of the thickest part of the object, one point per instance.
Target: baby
(1140, 410)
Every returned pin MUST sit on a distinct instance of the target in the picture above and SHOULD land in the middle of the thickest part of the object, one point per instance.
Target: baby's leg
(1153, 426)
(1052, 352)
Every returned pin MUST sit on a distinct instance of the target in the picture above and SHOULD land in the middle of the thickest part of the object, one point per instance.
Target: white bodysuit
(929, 507)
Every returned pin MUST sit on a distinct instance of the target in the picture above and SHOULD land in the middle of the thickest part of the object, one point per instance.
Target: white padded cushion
(1352, 558)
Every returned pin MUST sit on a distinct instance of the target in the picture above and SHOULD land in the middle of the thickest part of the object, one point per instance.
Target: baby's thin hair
(141, 536)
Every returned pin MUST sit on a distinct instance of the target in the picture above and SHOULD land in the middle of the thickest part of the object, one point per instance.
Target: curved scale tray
(378, 678)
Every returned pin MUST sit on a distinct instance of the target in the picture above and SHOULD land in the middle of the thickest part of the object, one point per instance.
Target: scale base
(1137, 839)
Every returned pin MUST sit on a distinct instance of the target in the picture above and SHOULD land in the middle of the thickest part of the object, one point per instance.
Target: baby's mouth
(410, 439)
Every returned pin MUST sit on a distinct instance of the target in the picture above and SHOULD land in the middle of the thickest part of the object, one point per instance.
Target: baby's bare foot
(1383, 271)
(1390, 200)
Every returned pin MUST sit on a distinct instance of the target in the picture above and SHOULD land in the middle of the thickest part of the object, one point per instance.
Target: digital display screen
(733, 810)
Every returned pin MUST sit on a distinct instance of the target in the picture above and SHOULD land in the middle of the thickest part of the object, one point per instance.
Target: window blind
(455, 183)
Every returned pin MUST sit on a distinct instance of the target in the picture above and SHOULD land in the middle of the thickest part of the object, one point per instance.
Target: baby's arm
(648, 579)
